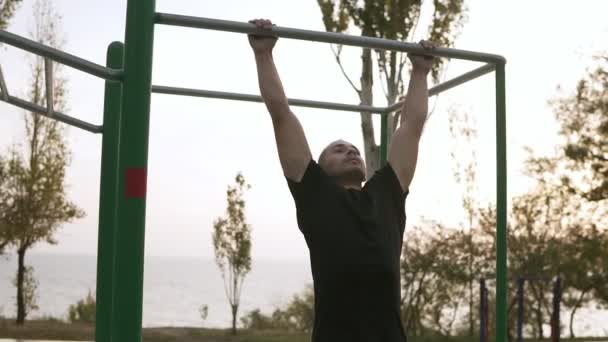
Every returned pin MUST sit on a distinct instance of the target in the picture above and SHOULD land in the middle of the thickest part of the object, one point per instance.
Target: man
(354, 233)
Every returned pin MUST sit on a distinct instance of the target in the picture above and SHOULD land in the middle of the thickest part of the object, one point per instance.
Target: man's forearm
(271, 88)
(416, 104)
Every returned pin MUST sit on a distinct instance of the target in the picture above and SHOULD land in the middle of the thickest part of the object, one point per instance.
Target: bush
(298, 315)
(83, 310)
(203, 312)
(256, 320)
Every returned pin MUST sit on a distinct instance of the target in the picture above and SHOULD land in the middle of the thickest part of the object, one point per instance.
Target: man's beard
(353, 175)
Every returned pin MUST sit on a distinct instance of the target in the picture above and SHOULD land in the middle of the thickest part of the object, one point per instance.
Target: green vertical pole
(107, 198)
(501, 206)
(383, 138)
(133, 163)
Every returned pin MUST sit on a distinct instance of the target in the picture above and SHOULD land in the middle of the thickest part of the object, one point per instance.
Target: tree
(232, 245)
(464, 157)
(7, 10)
(389, 19)
(587, 278)
(579, 170)
(434, 268)
(583, 118)
(33, 199)
(5, 231)
(552, 234)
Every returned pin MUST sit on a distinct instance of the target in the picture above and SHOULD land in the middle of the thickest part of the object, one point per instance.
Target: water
(175, 288)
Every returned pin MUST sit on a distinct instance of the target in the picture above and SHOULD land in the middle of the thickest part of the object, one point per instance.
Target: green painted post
(107, 198)
(501, 206)
(383, 138)
(133, 163)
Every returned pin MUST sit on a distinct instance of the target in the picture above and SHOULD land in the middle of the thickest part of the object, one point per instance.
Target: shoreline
(57, 330)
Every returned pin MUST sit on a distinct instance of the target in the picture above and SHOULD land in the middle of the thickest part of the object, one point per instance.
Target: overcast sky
(198, 145)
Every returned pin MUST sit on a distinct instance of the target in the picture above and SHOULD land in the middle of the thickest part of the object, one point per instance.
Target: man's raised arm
(292, 146)
(403, 151)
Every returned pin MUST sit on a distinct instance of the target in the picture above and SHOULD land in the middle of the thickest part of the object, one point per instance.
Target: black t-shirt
(354, 238)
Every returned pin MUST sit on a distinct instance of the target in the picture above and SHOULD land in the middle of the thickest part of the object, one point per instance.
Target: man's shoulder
(385, 182)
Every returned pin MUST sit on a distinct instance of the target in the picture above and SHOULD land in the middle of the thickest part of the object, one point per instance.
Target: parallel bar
(325, 37)
(383, 139)
(501, 207)
(256, 98)
(15, 101)
(108, 197)
(132, 172)
(3, 87)
(451, 83)
(60, 56)
(48, 73)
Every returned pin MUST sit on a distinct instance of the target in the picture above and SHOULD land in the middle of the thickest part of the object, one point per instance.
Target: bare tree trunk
(20, 295)
(576, 306)
(472, 258)
(471, 304)
(235, 309)
(372, 154)
(539, 320)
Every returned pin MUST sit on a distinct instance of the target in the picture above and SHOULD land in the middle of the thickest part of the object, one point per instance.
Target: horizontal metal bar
(60, 56)
(325, 37)
(32, 107)
(256, 98)
(3, 87)
(449, 84)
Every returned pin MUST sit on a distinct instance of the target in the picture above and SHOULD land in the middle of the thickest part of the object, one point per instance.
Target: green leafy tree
(395, 20)
(7, 10)
(464, 157)
(551, 234)
(232, 245)
(434, 270)
(579, 170)
(33, 199)
(6, 232)
(583, 118)
(587, 278)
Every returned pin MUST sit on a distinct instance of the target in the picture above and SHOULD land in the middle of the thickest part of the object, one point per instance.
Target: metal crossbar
(32, 107)
(257, 98)
(3, 87)
(325, 37)
(451, 83)
(60, 56)
(487, 68)
(125, 146)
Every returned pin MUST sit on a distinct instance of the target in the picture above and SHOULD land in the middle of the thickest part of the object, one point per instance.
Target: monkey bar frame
(128, 75)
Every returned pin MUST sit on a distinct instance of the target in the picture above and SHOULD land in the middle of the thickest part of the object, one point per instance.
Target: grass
(52, 329)
(59, 330)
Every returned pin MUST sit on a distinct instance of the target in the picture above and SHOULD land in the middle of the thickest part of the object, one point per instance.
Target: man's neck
(349, 185)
